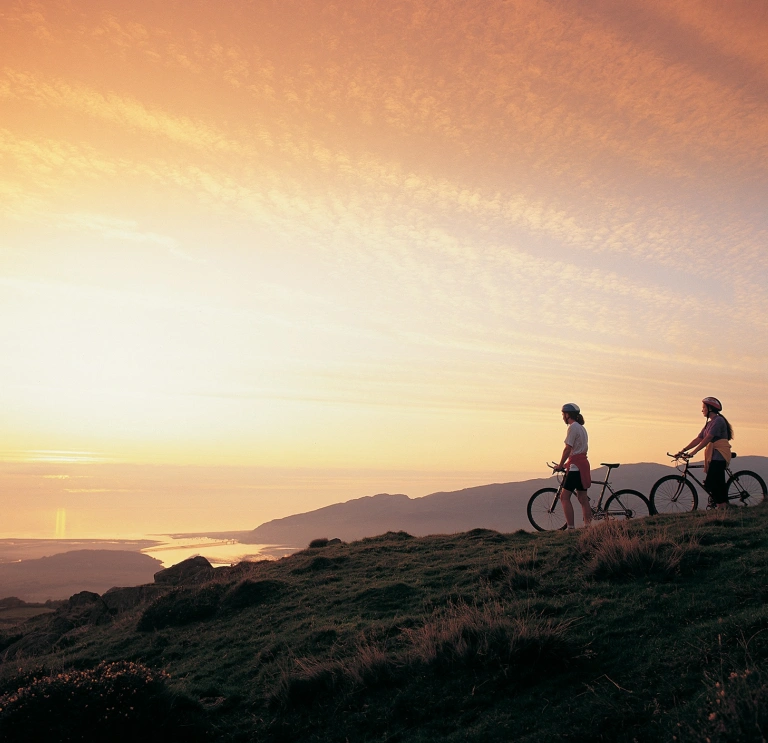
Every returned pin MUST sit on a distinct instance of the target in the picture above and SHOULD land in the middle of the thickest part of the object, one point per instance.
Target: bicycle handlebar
(681, 455)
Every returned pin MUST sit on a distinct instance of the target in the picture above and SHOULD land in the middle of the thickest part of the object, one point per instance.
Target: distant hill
(60, 576)
(500, 506)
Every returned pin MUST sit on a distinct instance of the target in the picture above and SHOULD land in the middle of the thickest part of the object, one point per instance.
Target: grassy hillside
(652, 632)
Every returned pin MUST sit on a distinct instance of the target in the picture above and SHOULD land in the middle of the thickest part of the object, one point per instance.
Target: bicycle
(676, 494)
(545, 513)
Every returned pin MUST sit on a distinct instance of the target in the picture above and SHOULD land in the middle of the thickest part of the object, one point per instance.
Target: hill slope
(614, 633)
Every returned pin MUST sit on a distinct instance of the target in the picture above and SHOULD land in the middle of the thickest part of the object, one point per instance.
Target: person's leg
(586, 506)
(565, 500)
(714, 483)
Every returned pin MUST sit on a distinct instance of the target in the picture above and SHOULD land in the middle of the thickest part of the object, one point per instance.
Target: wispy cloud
(511, 198)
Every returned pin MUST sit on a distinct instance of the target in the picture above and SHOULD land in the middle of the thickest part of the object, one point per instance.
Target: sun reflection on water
(61, 523)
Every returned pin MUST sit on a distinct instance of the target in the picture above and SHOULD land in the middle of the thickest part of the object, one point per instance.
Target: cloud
(119, 229)
(402, 236)
(522, 183)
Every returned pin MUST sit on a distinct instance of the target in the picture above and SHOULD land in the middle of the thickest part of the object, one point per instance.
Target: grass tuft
(467, 634)
(514, 573)
(311, 678)
(615, 552)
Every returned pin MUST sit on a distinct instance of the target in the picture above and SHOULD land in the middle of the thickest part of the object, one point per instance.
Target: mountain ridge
(498, 506)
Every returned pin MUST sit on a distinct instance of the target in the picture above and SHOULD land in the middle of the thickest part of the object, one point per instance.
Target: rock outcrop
(190, 572)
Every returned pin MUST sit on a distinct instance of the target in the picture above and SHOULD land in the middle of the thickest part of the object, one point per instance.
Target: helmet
(713, 402)
(570, 407)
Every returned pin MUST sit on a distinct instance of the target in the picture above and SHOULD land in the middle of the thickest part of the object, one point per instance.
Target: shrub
(736, 710)
(613, 552)
(318, 543)
(114, 701)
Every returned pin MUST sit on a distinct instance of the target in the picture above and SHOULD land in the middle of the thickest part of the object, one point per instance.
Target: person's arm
(702, 443)
(566, 453)
(698, 442)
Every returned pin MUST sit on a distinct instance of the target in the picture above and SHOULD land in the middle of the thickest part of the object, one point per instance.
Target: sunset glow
(378, 242)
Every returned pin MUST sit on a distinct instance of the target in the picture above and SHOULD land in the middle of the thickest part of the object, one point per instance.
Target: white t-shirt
(576, 438)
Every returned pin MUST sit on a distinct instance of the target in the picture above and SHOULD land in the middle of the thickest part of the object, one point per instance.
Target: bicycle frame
(597, 508)
(621, 504)
(686, 473)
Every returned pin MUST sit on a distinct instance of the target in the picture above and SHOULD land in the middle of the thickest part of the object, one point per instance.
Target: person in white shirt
(574, 461)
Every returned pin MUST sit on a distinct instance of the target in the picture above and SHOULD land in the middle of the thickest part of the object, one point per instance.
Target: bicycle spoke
(628, 504)
(673, 494)
(544, 510)
(746, 489)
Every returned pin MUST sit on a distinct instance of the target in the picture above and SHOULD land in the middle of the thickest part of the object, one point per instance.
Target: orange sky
(381, 239)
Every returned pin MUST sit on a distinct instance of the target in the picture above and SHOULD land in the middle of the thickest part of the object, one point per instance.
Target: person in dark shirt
(714, 438)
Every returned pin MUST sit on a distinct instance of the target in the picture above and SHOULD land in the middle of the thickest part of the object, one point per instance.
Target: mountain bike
(676, 493)
(546, 514)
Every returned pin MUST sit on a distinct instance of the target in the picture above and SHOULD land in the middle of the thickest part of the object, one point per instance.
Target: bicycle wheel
(627, 504)
(544, 510)
(673, 494)
(746, 488)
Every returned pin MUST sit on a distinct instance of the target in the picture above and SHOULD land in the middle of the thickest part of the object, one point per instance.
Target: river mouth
(171, 549)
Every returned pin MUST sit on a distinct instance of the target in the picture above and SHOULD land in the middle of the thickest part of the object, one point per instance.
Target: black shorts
(573, 481)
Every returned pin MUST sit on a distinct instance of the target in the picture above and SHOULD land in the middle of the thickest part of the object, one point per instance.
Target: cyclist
(574, 459)
(714, 438)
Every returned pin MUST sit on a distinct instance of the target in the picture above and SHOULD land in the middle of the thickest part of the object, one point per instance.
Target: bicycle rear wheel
(673, 494)
(746, 488)
(544, 510)
(627, 504)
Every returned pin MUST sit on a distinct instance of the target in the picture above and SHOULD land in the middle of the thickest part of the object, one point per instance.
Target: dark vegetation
(652, 631)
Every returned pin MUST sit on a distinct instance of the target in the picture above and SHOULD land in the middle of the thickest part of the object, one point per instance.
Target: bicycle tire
(545, 512)
(673, 494)
(746, 488)
(628, 504)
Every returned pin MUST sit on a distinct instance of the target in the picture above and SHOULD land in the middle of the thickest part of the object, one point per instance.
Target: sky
(308, 251)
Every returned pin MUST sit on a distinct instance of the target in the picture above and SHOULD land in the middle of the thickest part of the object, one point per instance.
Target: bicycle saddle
(605, 464)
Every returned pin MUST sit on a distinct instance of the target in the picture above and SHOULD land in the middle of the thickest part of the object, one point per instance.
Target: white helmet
(571, 407)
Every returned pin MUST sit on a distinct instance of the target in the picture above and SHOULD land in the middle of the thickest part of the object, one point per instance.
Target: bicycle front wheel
(673, 494)
(627, 504)
(544, 510)
(746, 488)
